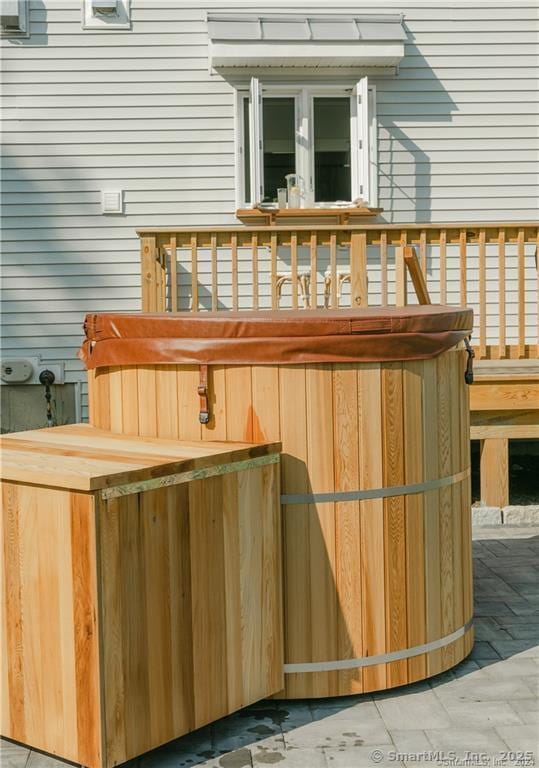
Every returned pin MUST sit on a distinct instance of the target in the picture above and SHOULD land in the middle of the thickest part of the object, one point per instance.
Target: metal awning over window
(244, 40)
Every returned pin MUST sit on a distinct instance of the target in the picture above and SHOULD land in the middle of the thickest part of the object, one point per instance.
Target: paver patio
(487, 705)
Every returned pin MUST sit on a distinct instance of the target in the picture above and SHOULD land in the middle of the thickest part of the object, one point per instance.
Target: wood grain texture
(320, 467)
(297, 598)
(394, 519)
(495, 471)
(50, 622)
(369, 577)
(447, 434)
(372, 524)
(348, 557)
(132, 621)
(432, 515)
(415, 533)
(505, 395)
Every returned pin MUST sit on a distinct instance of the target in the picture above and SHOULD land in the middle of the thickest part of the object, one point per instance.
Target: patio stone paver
(520, 737)
(337, 728)
(489, 703)
(410, 741)
(13, 755)
(524, 631)
(407, 712)
(480, 714)
(462, 738)
(291, 758)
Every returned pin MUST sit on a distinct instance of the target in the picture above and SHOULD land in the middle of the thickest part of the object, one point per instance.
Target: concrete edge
(527, 514)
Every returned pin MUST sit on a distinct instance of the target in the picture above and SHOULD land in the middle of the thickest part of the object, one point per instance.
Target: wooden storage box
(141, 588)
(371, 407)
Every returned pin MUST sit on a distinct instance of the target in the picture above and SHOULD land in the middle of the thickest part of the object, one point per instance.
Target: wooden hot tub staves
(378, 588)
(141, 589)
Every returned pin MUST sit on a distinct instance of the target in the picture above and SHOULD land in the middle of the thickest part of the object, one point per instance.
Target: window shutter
(256, 142)
(360, 155)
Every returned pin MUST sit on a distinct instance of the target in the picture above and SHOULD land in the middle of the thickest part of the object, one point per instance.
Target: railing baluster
(333, 269)
(294, 268)
(443, 266)
(401, 276)
(482, 294)
(423, 251)
(314, 271)
(214, 293)
(254, 257)
(383, 268)
(463, 265)
(521, 296)
(173, 275)
(501, 282)
(274, 303)
(194, 273)
(234, 268)
(161, 278)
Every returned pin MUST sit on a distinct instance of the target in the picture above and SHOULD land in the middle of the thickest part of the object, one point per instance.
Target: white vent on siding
(14, 18)
(106, 14)
(111, 201)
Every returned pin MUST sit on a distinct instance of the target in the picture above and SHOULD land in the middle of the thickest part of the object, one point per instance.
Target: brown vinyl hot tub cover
(283, 336)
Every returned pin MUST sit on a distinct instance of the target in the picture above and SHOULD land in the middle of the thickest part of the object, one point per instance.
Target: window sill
(270, 216)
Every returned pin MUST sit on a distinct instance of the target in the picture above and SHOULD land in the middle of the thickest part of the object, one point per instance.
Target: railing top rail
(142, 231)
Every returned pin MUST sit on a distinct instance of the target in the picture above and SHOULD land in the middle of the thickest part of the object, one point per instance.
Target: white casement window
(324, 134)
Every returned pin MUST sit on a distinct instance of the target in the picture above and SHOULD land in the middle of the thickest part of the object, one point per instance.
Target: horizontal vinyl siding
(138, 110)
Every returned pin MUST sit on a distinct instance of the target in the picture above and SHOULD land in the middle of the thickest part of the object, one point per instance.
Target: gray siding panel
(138, 110)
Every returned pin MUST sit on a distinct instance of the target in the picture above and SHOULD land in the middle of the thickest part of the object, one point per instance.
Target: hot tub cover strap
(273, 337)
(204, 413)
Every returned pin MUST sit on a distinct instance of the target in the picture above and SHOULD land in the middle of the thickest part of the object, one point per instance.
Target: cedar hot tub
(371, 407)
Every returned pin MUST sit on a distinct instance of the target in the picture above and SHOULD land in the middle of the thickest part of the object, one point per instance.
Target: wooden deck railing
(491, 267)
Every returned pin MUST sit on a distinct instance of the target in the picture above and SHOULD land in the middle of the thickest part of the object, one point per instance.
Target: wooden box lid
(81, 457)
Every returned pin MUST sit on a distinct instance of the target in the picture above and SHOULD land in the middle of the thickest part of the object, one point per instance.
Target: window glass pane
(279, 135)
(246, 152)
(331, 122)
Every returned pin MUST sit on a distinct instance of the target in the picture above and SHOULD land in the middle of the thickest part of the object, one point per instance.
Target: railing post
(358, 269)
(148, 262)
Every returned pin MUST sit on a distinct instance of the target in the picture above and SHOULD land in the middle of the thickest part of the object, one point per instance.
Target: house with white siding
(126, 116)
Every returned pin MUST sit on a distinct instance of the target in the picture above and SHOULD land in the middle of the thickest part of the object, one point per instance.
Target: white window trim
(304, 95)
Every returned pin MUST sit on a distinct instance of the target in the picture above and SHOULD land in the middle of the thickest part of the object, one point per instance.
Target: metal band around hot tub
(381, 658)
(374, 493)
(186, 477)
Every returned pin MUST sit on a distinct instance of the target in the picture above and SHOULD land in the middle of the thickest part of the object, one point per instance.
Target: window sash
(360, 140)
(256, 139)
